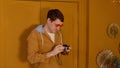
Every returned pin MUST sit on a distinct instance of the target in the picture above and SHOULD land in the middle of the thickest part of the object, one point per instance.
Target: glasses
(58, 25)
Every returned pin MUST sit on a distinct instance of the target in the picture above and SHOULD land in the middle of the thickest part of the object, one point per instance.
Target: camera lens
(66, 47)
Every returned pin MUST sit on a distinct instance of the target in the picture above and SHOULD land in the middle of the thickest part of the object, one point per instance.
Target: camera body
(66, 47)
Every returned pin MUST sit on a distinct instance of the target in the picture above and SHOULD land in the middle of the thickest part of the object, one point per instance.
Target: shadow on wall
(23, 43)
(24, 35)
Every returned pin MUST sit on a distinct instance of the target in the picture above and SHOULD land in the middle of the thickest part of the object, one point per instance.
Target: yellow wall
(94, 17)
(101, 14)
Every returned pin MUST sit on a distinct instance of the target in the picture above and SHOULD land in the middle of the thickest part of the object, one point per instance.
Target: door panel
(69, 30)
(17, 19)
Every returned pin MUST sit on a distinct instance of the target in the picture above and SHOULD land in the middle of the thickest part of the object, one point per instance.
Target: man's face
(55, 26)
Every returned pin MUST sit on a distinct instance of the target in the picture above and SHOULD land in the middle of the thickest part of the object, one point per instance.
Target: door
(69, 30)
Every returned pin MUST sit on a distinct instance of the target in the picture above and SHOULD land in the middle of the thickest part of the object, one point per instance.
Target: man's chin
(54, 31)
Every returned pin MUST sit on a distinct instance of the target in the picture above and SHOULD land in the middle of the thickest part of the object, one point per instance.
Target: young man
(45, 42)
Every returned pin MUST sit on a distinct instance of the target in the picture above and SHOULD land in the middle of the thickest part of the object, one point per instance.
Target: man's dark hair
(54, 14)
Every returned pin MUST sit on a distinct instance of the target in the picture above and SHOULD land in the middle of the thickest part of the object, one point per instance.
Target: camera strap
(61, 41)
(42, 40)
(58, 59)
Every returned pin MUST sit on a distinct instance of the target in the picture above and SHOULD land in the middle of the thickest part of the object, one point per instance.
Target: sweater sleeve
(34, 54)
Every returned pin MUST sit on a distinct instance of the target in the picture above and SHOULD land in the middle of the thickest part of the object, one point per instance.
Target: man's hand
(58, 49)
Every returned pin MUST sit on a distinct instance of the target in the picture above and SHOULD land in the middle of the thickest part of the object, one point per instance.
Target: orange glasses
(58, 25)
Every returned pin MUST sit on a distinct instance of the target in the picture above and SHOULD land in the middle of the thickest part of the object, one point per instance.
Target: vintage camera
(66, 47)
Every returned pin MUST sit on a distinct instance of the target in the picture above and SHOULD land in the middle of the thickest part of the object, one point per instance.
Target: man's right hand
(58, 49)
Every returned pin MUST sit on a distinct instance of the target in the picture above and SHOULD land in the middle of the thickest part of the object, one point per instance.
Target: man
(45, 42)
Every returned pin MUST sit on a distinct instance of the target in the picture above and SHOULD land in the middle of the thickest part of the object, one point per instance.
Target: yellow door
(69, 30)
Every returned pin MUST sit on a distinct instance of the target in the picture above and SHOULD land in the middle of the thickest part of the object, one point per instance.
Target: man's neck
(46, 28)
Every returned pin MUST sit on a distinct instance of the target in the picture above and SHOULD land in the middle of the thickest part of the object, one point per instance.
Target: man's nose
(58, 28)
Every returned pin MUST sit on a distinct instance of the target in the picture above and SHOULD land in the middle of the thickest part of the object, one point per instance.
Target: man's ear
(48, 20)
